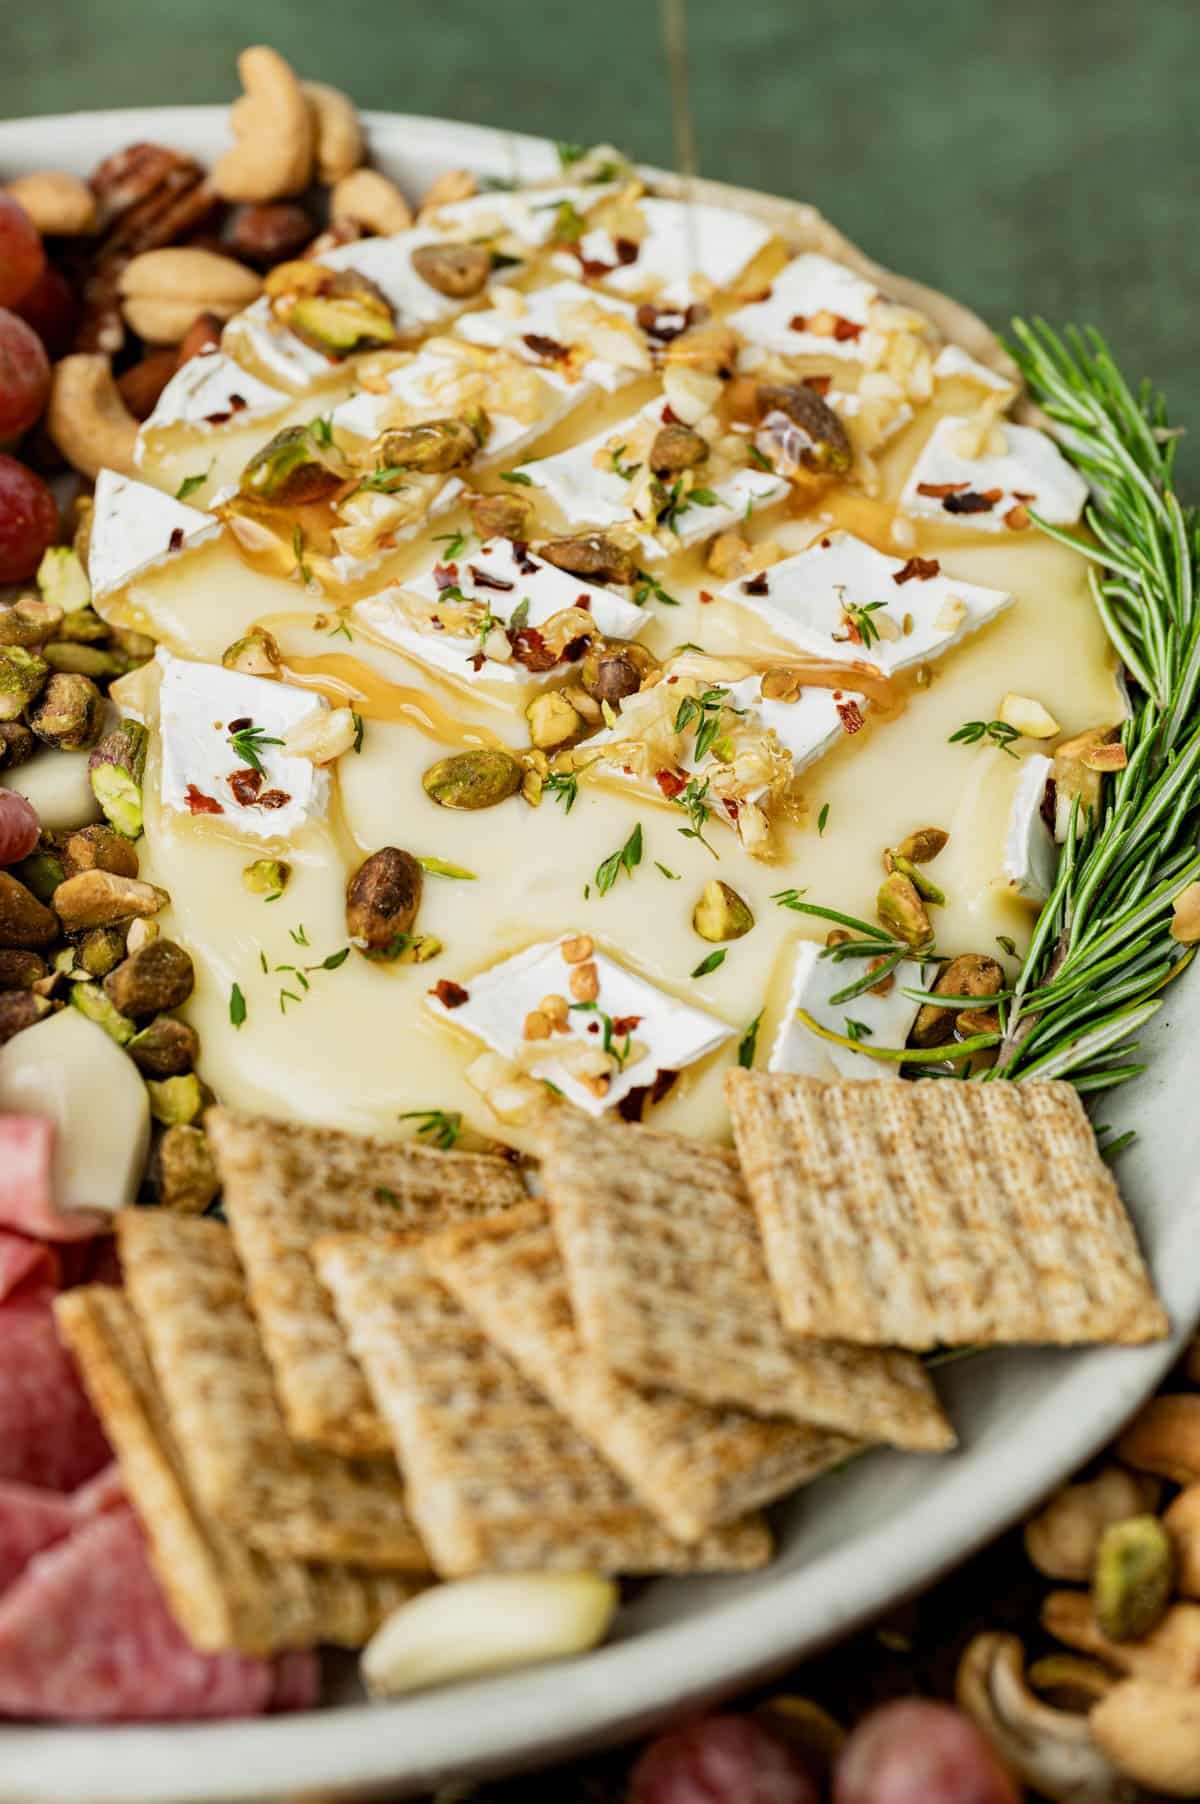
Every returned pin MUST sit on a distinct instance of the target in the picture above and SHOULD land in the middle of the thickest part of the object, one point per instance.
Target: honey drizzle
(347, 682)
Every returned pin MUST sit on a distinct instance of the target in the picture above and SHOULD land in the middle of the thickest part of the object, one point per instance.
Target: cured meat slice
(30, 1521)
(85, 1636)
(26, 1264)
(297, 1681)
(49, 1433)
(27, 1182)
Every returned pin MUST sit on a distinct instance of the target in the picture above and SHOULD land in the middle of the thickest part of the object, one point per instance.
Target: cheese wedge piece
(566, 328)
(1030, 853)
(681, 242)
(256, 337)
(952, 361)
(814, 308)
(530, 216)
(200, 707)
(208, 392)
(809, 601)
(814, 981)
(664, 1034)
(981, 492)
(135, 526)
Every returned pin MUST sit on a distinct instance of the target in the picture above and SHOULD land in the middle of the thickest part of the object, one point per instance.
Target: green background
(1036, 155)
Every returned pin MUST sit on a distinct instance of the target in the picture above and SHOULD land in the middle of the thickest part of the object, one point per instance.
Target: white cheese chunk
(504, 578)
(682, 241)
(564, 315)
(351, 569)
(810, 291)
(197, 704)
(672, 1033)
(814, 981)
(134, 526)
(953, 361)
(809, 601)
(1030, 852)
(257, 337)
(210, 391)
(529, 215)
(1031, 471)
(388, 263)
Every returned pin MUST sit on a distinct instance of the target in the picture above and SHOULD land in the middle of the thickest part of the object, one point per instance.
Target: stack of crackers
(395, 1365)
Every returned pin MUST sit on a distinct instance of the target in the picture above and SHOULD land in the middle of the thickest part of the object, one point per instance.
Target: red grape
(19, 827)
(28, 521)
(914, 1752)
(21, 255)
(24, 376)
(720, 1760)
(52, 309)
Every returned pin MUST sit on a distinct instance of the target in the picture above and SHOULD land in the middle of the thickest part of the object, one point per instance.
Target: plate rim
(627, 1687)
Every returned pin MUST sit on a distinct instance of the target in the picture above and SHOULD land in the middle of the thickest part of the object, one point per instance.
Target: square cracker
(665, 1268)
(188, 1292)
(497, 1480)
(939, 1213)
(691, 1465)
(284, 1186)
(223, 1594)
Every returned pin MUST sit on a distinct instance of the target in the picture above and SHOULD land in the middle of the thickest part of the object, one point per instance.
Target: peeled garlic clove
(1028, 717)
(484, 1625)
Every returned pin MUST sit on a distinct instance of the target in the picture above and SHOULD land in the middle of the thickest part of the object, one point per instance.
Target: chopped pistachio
(186, 1170)
(923, 846)
(339, 325)
(901, 910)
(970, 974)
(177, 1101)
(100, 950)
(1132, 1577)
(159, 977)
(99, 848)
(476, 779)
(140, 932)
(69, 713)
(721, 914)
(924, 886)
(17, 744)
(166, 1047)
(91, 1001)
(43, 870)
(382, 899)
(116, 770)
(84, 660)
(255, 654)
(29, 621)
(62, 579)
(19, 1009)
(22, 676)
(434, 445)
(501, 516)
(267, 876)
(83, 626)
(24, 921)
(823, 446)
(552, 720)
(457, 270)
(20, 970)
(101, 899)
(293, 469)
(593, 555)
(609, 675)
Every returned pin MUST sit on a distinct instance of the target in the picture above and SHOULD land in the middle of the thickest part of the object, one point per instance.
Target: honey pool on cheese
(357, 1045)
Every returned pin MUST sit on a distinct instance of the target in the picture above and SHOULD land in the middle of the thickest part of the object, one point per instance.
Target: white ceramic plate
(849, 1545)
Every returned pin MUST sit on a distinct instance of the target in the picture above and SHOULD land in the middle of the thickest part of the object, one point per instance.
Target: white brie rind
(809, 287)
(135, 526)
(388, 263)
(349, 568)
(211, 391)
(197, 703)
(805, 601)
(952, 361)
(608, 352)
(673, 1033)
(255, 336)
(530, 215)
(1031, 472)
(504, 578)
(814, 980)
(1030, 853)
(682, 241)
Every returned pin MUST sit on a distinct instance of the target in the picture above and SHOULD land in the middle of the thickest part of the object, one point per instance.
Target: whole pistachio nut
(69, 713)
(43, 870)
(382, 899)
(293, 469)
(178, 1100)
(20, 970)
(186, 1170)
(20, 1009)
(970, 974)
(901, 910)
(819, 442)
(267, 876)
(353, 314)
(158, 977)
(91, 1001)
(165, 1047)
(609, 675)
(95, 661)
(100, 950)
(675, 449)
(257, 653)
(457, 270)
(500, 516)
(593, 555)
(82, 626)
(22, 676)
(98, 848)
(721, 914)
(924, 886)
(24, 921)
(435, 445)
(17, 744)
(552, 720)
(476, 779)
(101, 899)
(116, 769)
(29, 621)
(923, 846)
(63, 580)
(1132, 1578)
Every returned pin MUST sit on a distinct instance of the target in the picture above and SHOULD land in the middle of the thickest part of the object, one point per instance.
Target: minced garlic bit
(1028, 716)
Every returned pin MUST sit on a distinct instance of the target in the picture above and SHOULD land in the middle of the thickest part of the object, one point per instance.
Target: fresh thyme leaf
(518, 620)
(569, 153)
(973, 731)
(694, 802)
(858, 1030)
(302, 570)
(620, 1053)
(672, 876)
(332, 960)
(626, 471)
(386, 478)
(705, 710)
(648, 587)
(858, 615)
(455, 542)
(298, 936)
(262, 959)
(237, 1005)
(359, 729)
(564, 787)
(286, 996)
(712, 963)
(703, 498)
(190, 484)
(247, 744)
(517, 476)
(1006, 944)
(748, 1044)
(438, 867)
(823, 820)
(322, 429)
(760, 458)
(440, 1127)
(627, 859)
(569, 223)
(341, 631)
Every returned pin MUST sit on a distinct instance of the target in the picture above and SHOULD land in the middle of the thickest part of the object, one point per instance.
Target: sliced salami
(30, 1521)
(85, 1636)
(297, 1681)
(27, 1183)
(26, 1264)
(49, 1434)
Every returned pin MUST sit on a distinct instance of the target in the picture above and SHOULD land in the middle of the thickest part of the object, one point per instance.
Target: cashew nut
(370, 200)
(1051, 1750)
(1152, 1733)
(272, 124)
(87, 418)
(163, 291)
(1061, 1540)
(451, 185)
(338, 130)
(1165, 1438)
(1182, 1523)
(56, 202)
(1168, 1655)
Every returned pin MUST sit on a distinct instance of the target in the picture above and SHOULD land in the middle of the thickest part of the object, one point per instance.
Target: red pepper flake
(798, 322)
(584, 602)
(1020, 495)
(240, 725)
(666, 323)
(245, 785)
(450, 995)
(1049, 804)
(547, 348)
(825, 544)
(669, 417)
(920, 567)
(477, 660)
(757, 585)
(217, 419)
(274, 798)
(850, 715)
(671, 782)
(527, 565)
(820, 385)
(845, 330)
(632, 1106)
(938, 490)
(625, 1024)
(237, 404)
(593, 1027)
(627, 249)
(575, 648)
(972, 503)
(531, 650)
(482, 580)
(175, 542)
(1017, 518)
(756, 300)
(445, 576)
(706, 595)
(199, 803)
